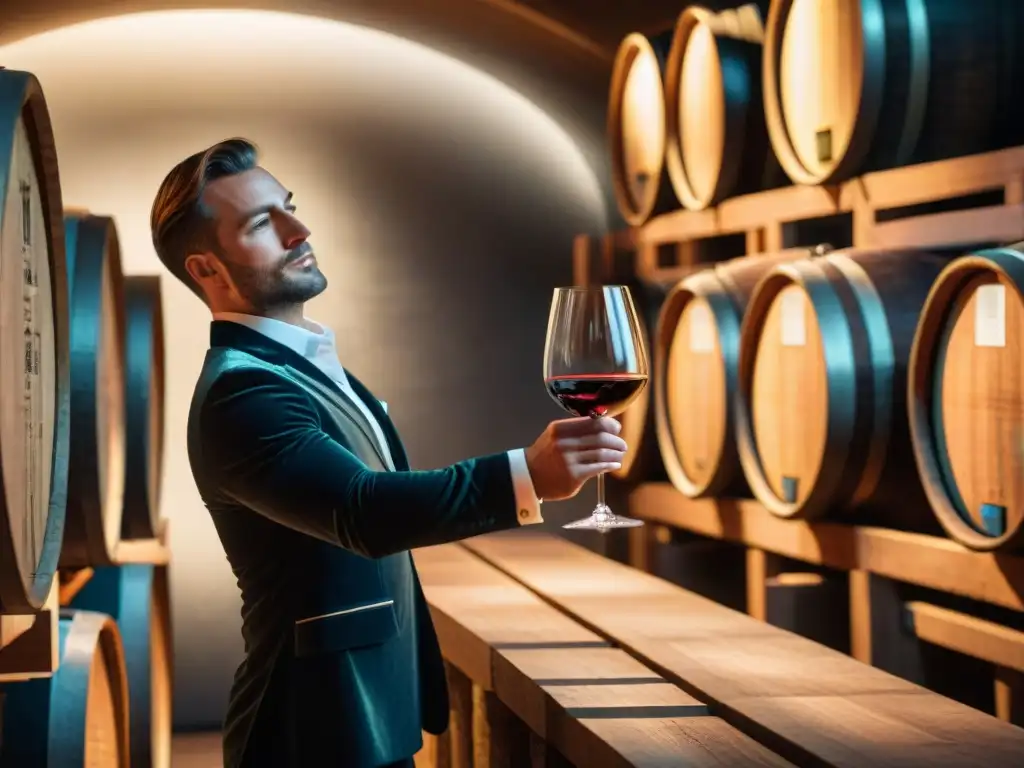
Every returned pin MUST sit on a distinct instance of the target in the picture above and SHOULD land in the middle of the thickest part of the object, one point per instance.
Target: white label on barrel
(990, 316)
(794, 329)
(702, 332)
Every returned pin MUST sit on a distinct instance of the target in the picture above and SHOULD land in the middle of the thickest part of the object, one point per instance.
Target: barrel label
(702, 329)
(990, 316)
(794, 329)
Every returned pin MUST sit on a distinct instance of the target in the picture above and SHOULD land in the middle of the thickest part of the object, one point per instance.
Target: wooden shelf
(762, 215)
(927, 561)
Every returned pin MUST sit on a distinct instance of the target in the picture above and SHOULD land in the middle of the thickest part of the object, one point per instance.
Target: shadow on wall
(442, 205)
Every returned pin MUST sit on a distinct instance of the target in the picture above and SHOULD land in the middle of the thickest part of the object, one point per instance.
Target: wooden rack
(888, 209)
(955, 205)
(29, 643)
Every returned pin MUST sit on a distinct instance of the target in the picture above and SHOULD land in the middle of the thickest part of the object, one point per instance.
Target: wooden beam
(966, 634)
(928, 561)
(564, 683)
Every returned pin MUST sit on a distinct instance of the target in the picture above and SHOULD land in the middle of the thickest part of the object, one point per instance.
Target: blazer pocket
(356, 627)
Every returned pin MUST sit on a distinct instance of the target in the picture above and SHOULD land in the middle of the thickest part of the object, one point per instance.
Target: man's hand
(570, 452)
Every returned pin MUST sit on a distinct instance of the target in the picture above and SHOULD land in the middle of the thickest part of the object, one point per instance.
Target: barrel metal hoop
(703, 285)
(837, 347)
(883, 367)
(1008, 263)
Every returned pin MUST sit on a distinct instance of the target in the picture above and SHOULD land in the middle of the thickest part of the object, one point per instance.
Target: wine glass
(595, 364)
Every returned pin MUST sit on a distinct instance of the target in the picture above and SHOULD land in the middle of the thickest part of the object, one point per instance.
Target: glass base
(603, 519)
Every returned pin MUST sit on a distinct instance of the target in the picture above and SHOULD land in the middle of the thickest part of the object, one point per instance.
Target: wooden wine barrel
(821, 408)
(641, 461)
(716, 141)
(636, 128)
(696, 353)
(34, 383)
(79, 716)
(144, 406)
(966, 399)
(96, 479)
(138, 598)
(853, 86)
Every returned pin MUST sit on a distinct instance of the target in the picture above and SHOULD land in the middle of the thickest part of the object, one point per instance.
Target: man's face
(264, 259)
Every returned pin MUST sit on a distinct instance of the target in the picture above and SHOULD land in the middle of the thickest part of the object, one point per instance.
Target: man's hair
(179, 222)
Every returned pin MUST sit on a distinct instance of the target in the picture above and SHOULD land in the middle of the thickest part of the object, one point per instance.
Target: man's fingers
(599, 456)
(585, 425)
(589, 442)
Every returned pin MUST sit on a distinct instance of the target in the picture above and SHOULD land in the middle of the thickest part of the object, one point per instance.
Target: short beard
(272, 289)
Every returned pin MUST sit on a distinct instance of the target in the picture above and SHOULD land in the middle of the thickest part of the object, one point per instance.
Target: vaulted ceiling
(558, 53)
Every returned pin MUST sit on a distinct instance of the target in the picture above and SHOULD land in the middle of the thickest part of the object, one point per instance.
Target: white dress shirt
(316, 344)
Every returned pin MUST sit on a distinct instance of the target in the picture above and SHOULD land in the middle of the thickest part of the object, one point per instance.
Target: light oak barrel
(78, 718)
(96, 478)
(821, 403)
(642, 463)
(138, 597)
(34, 328)
(716, 140)
(852, 86)
(636, 128)
(145, 380)
(696, 354)
(966, 395)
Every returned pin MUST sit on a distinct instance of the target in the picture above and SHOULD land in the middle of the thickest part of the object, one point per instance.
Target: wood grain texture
(636, 127)
(696, 357)
(717, 142)
(79, 716)
(934, 562)
(34, 385)
(964, 388)
(138, 599)
(809, 703)
(96, 479)
(821, 414)
(565, 683)
(851, 88)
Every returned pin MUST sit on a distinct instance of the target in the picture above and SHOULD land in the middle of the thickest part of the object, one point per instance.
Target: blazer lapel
(401, 460)
(224, 333)
(338, 398)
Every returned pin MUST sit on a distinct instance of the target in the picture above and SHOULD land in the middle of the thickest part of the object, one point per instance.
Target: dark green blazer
(342, 665)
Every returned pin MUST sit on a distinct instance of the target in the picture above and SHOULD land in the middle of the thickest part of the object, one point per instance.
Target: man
(311, 491)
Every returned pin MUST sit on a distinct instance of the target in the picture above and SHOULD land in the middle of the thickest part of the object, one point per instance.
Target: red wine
(599, 394)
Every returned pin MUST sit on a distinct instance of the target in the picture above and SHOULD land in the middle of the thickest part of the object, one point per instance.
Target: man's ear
(199, 267)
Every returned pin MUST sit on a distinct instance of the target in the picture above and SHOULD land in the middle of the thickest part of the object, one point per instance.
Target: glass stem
(601, 507)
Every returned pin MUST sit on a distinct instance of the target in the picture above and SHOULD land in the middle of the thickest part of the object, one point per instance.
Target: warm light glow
(276, 62)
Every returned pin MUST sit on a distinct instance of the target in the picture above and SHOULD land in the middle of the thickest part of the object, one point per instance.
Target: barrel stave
(144, 407)
(33, 480)
(137, 596)
(964, 390)
(892, 83)
(79, 715)
(636, 128)
(852, 455)
(96, 478)
(696, 374)
(717, 142)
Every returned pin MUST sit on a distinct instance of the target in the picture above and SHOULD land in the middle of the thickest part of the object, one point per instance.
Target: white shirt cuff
(527, 503)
